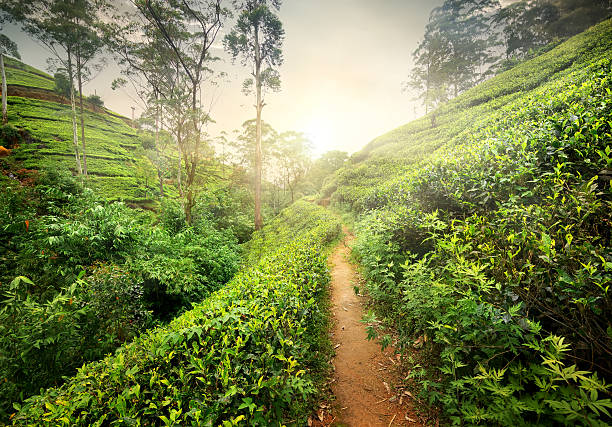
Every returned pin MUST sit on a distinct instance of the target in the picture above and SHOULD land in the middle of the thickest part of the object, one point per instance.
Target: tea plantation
(118, 169)
(485, 236)
(251, 352)
(483, 231)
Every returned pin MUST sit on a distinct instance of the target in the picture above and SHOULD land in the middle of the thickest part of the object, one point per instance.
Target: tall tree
(244, 145)
(429, 76)
(88, 47)
(257, 39)
(456, 52)
(53, 24)
(324, 167)
(7, 47)
(169, 43)
(524, 26)
(293, 157)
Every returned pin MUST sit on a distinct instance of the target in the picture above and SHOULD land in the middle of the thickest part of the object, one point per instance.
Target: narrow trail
(363, 374)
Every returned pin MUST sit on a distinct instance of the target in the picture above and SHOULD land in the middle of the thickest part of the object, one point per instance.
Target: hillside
(484, 233)
(118, 169)
(484, 107)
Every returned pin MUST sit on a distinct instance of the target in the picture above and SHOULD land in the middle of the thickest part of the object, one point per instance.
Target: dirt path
(364, 375)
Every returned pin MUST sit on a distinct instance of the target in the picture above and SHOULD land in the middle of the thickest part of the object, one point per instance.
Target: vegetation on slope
(245, 354)
(82, 275)
(490, 241)
(18, 73)
(117, 166)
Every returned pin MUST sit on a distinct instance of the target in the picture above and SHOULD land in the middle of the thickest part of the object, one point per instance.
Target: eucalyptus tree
(88, 48)
(7, 47)
(293, 157)
(64, 27)
(457, 50)
(257, 39)
(147, 66)
(243, 146)
(168, 45)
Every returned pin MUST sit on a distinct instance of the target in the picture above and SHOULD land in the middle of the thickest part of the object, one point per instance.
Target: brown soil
(364, 375)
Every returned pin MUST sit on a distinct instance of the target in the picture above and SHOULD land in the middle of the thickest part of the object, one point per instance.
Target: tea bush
(493, 250)
(245, 355)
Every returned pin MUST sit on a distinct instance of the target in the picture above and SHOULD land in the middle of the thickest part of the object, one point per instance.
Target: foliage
(103, 267)
(244, 355)
(257, 38)
(467, 41)
(62, 84)
(492, 248)
(95, 100)
(39, 341)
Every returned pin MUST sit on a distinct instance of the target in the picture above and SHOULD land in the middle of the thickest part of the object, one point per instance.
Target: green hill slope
(482, 107)
(486, 239)
(118, 169)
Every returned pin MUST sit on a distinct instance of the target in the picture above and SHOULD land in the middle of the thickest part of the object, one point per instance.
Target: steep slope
(486, 241)
(118, 169)
(482, 107)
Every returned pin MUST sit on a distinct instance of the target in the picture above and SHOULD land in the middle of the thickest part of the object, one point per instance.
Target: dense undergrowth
(247, 355)
(495, 250)
(81, 276)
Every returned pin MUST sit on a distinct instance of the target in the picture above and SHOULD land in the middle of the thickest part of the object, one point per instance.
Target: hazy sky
(345, 61)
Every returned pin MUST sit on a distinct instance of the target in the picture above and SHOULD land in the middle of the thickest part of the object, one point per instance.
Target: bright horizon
(341, 84)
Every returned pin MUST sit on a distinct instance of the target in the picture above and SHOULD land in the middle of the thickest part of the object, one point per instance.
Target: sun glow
(322, 133)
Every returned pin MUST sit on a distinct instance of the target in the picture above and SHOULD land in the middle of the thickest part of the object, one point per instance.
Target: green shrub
(62, 84)
(95, 100)
(9, 136)
(493, 249)
(120, 272)
(246, 354)
(39, 341)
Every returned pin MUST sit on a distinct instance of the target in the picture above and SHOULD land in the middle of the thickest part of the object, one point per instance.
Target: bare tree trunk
(80, 82)
(159, 171)
(178, 169)
(75, 139)
(259, 107)
(4, 92)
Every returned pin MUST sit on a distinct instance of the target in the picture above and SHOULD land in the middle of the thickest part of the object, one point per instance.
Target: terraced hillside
(118, 169)
(484, 230)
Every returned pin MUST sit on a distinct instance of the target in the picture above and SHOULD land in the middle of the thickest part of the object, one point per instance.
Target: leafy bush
(245, 354)
(95, 100)
(62, 84)
(493, 251)
(9, 136)
(227, 209)
(39, 341)
(118, 271)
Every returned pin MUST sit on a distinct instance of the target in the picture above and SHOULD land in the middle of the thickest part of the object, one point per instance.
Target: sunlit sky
(345, 61)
